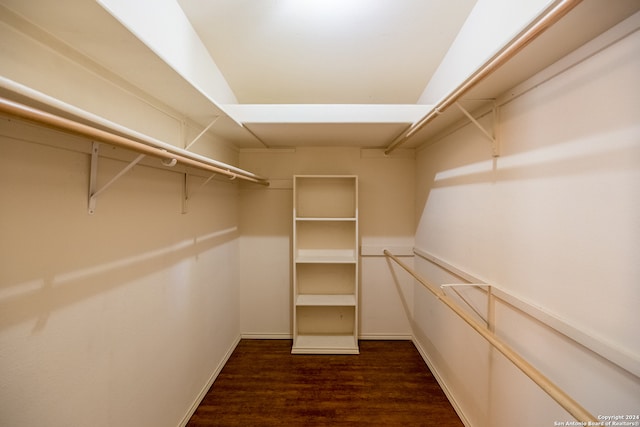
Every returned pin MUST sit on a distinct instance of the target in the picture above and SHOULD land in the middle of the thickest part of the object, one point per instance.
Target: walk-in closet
(319, 212)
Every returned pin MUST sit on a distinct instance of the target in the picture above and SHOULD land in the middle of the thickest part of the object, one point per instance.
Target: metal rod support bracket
(465, 300)
(490, 135)
(93, 176)
(215, 119)
(186, 194)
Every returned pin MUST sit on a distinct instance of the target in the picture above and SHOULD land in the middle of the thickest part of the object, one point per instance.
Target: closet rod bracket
(495, 150)
(215, 119)
(93, 176)
(187, 193)
(454, 286)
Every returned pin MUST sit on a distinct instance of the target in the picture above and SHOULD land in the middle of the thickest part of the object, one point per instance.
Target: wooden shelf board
(326, 300)
(309, 218)
(337, 256)
(325, 344)
(325, 260)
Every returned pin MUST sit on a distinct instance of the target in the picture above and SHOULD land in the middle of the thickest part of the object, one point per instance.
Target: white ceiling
(293, 52)
(327, 51)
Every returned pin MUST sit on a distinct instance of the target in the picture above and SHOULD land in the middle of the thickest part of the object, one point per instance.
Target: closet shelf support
(491, 136)
(215, 119)
(453, 286)
(114, 133)
(187, 195)
(93, 176)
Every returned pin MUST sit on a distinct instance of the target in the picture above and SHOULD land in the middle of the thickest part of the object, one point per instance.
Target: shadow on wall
(552, 130)
(54, 254)
(440, 333)
(41, 297)
(617, 155)
(464, 159)
(403, 298)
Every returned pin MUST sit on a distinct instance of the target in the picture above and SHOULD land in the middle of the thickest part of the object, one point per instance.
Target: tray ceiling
(327, 51)
(369, 60)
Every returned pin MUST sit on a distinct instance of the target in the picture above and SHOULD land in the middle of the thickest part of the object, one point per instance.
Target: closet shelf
(326, 344)
(326, 300)
(325, 219)
(327, 256)
(100, 130)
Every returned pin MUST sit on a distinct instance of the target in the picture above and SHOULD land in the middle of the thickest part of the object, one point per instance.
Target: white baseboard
(398, 337)
(209, 383)
(442, 384)
(285, 336)
(266, 336)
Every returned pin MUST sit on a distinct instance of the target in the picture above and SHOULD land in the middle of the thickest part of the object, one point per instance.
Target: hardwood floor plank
(263, 384)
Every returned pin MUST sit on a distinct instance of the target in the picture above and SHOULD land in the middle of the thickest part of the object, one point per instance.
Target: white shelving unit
(325, 264)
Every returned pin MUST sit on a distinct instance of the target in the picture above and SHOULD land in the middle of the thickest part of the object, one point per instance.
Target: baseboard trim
(443, 385)
(266, 336)
(209, 383)
(285, 336)
(396, 337)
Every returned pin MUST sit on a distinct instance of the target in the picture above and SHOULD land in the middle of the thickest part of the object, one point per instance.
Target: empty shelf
(338, 256)
(326, 300)
(328, 344)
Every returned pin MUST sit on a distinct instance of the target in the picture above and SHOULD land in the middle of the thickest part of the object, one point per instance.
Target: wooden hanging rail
(552, 15)
(555, 392)
(150, 147)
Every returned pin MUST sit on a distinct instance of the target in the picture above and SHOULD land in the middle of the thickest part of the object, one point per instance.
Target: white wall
(553, 221)
(118, 318)
(386, 212)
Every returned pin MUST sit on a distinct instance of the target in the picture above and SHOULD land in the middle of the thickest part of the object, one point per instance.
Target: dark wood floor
(387, 384)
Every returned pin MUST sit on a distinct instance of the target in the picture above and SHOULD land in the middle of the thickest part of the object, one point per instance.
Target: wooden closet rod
(552, 15)
(113, 134)
(556, 393)
(163, 152)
